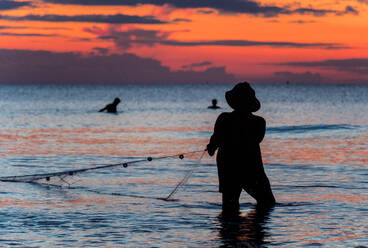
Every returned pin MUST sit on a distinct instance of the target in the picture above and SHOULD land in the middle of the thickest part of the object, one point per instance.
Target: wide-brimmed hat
(243, 97)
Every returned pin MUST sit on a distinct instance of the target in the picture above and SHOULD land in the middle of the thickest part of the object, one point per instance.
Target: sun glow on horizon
(250, 45)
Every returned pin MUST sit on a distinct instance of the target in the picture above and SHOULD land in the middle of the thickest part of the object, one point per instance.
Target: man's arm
(261, 129)
(216, 138)
(103, 109)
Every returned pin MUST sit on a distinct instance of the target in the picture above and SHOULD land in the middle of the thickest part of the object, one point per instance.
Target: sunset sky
(183, 41)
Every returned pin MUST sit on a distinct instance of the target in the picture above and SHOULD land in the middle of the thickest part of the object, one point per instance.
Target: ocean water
(315, 153)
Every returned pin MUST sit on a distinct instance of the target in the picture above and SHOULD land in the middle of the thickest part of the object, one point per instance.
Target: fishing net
(70, 177)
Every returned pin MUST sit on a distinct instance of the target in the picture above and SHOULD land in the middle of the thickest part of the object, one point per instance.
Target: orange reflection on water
(137, 141)
(346, 198)
(24, 203)
(333, 230)
(154, 141)
(101, 200)
(317, 150)
(313, 235)
(10, 202)
(323, 197)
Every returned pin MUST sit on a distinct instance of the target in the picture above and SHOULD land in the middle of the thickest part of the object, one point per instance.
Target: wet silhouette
(237, 136)
(245, 231)
(111, 108)
(214, 105)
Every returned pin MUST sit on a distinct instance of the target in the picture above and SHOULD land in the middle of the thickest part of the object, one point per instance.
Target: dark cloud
(302, 22)
(350, 10)
(112, 19)
(82, 39)
(223, 6)
(292, 77)
(315, 12)
(27, 34)
(206, 12)
(101, 50)
(182, 20)
(125, 39)
(25, 66)
(11, 27)
(52, 28)
(8, 5)
(323, 12)
(248, 43)
(28, 27)
(359, 66)
(197, 65)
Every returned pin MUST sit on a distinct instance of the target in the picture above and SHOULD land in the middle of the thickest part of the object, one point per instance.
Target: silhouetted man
(237, 136)
(214, 105)
(111, 108)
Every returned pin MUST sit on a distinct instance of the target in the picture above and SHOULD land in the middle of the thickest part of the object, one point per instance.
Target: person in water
(111, 108)
(214, 104)
(237, 136)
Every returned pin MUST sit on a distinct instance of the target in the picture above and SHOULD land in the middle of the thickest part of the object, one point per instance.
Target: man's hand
(211, 149)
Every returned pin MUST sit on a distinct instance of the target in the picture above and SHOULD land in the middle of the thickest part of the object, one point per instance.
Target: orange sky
(329, 30)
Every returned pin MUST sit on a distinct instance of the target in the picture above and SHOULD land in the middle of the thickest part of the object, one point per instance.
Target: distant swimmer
(111, 108)
(214, 105)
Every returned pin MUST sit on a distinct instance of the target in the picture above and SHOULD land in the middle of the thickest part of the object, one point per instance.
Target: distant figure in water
(214, 105)
(237, 136)
(111, 108)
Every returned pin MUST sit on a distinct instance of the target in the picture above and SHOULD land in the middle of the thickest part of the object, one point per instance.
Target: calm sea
(315, 153)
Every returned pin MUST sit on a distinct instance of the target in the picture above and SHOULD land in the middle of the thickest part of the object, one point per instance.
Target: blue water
(315, 153)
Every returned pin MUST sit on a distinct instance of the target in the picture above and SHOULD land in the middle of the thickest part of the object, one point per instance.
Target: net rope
(63, 174)
(185, 178)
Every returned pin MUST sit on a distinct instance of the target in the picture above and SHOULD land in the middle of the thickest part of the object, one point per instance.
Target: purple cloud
(350, 10)
(101, 50)
(302, 22)
(112, 19)
(8, 5)
(125, 40)
(25, 66)
(181, 20)
(27, 34)
(355, 65)
(223, 6)
(197, 65)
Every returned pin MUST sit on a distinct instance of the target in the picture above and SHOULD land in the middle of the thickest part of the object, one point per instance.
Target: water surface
(315, 153)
